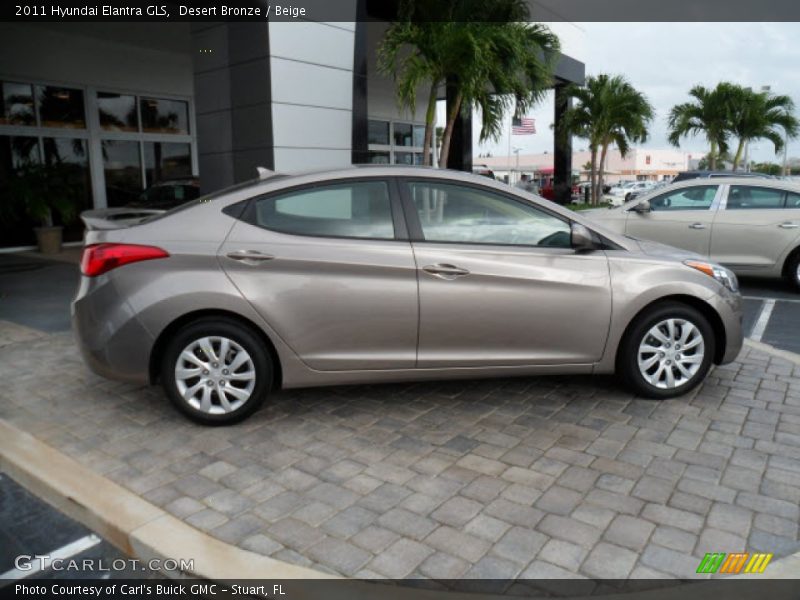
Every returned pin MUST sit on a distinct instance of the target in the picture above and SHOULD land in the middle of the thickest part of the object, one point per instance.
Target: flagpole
(510, 125)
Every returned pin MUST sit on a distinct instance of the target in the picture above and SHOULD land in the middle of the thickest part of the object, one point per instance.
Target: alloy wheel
(215, 375)
(671, 353)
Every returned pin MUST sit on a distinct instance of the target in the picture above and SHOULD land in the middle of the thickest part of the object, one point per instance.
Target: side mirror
(581, 238)
(642, 207)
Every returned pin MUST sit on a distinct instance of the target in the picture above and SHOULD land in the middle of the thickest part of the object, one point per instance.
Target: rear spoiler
(116, 218)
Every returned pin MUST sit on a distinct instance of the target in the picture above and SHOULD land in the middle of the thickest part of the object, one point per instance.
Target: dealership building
(121, 106)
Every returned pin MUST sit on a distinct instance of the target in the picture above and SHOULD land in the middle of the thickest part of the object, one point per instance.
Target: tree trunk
(448, 132)
(600, 170)
(738, 157)
(430, 121)
(593, 176)
(712, 157)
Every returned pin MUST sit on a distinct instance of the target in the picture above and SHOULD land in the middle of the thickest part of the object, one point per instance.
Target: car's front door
(755, 226)
(680, 218)
(325, 268)
(499, 284)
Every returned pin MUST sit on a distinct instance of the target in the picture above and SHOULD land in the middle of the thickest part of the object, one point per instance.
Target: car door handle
(697, 226)
(789, 225)
(445, 271)
(249, 255)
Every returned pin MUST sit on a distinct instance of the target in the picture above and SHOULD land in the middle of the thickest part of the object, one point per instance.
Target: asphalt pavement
(30, 527)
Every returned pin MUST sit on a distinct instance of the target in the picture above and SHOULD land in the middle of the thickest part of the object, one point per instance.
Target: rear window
(744, 197)
(360, 209)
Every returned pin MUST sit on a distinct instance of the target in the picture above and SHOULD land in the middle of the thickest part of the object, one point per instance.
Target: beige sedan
(751, 226)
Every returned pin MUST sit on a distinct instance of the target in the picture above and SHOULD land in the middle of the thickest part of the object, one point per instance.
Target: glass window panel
(743, 197)
(68, 157)
(454, 213)
(60, 107)
(792, 200)
(123, 173)
(16, 228)
(164, 116)
(694, 198)
(17, 104)
(117, 112)
(166, 160)
(402, 134)
(403, 158)
(379, 158)
(419, 135)
(357, 210)
(378, 132)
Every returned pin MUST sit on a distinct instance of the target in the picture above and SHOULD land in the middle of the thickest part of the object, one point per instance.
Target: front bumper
(112, 341)
(729, 309)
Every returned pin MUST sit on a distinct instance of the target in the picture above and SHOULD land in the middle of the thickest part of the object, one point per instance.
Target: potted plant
(41, 192)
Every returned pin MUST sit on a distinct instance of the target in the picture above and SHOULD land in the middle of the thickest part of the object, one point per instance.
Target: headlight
(725, 276)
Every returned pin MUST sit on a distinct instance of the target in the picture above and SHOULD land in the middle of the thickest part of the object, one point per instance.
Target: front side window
(355, 210)
(455, 213)
(792, 200)
(743, 197)
(693, 198)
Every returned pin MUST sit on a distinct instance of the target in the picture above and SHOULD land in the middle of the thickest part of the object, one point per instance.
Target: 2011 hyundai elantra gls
(377, 274)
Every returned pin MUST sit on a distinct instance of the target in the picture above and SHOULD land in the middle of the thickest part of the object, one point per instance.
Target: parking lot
(534, 477)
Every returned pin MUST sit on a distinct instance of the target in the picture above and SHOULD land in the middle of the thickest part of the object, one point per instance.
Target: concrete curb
(135, 526)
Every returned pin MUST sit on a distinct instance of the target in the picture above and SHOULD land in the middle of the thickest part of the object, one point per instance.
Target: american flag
(523, 126)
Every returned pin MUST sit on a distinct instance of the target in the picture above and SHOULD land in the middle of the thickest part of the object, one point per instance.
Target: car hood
(658, 250)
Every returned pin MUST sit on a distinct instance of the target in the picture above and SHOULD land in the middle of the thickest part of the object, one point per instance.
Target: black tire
(627, 357)
(793, 270)
(241, 335)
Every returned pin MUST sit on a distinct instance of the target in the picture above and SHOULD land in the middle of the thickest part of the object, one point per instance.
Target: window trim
(415, 226)
(248, 215)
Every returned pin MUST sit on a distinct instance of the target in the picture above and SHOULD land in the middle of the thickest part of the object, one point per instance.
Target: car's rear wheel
(667, 351)
(216, 371)
(793, 271)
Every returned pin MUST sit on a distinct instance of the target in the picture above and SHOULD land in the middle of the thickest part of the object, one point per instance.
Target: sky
(664, 60)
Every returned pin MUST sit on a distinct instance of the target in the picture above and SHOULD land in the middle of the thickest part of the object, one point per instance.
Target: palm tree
(491, 64)
(708, 114)
(607, 110)
(756, 115)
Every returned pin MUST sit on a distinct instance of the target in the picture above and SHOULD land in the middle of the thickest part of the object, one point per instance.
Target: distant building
(640, 164)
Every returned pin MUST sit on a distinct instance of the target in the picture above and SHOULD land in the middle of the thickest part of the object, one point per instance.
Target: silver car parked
(750, 225)
(374, 274)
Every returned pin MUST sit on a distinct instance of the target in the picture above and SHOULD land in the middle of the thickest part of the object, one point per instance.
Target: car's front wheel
(216, 371)
(667, 351)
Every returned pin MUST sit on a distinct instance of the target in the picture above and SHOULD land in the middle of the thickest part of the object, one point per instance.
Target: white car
(620, 194)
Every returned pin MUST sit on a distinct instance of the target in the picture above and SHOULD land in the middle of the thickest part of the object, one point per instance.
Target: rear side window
(360, 209)
(743, 197)
(792, 200)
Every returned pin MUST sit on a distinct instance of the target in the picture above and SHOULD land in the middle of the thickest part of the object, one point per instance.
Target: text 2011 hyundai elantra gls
(378, 274)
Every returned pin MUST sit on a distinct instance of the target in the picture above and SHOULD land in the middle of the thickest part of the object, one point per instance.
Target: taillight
(101, 258)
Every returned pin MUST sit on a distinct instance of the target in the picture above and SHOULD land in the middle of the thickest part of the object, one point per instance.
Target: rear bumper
(112, 341)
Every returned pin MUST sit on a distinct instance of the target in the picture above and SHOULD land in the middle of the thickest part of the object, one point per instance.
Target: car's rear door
(330, 268)
(679, 217)
(499, 284)
(755, 226)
